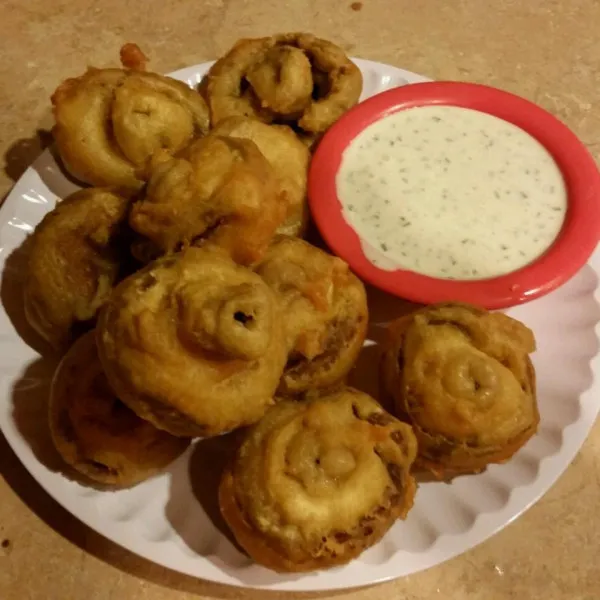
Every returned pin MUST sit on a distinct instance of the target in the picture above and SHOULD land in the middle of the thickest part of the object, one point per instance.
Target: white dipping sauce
(451, 192)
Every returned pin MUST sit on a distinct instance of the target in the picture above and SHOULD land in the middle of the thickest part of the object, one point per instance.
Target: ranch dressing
(451, 192)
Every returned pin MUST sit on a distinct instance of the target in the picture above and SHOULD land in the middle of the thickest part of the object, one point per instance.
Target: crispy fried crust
(220, 189)
(73, 263)
(109, 122)
(293, 78)
(314, 484)
(289, 158)
(326, 314)
(94, 432)
(193, 343)
(463, 378)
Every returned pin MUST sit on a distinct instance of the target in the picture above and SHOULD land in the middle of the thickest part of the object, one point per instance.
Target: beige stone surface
(545, 50)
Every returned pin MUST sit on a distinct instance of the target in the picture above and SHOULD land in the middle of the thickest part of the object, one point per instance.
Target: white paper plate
(166, 519)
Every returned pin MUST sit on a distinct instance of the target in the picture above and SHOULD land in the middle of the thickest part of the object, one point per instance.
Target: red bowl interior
(570, 251)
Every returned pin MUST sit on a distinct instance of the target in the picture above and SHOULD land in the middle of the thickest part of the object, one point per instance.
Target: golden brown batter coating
(73, 263)
(193, 343)
(94, 432)
(289, 158)
(326, 314)
(219, 189)
(316, 483)
(282, 80)
(462, 377)
(295, 77)
(109, 122)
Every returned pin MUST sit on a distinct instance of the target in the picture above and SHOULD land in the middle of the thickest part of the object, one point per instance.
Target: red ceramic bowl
(570, 251)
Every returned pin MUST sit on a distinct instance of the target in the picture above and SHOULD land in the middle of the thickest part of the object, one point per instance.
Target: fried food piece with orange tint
(463, 378)
(95, 432)
(193, 343)
(293, 78)
(220, 190)
(74, 260)
(109, 122)
(289, 158)
(326, 314)
(316, 483)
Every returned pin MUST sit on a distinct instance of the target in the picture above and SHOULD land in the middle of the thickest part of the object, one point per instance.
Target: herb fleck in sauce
(459, 195)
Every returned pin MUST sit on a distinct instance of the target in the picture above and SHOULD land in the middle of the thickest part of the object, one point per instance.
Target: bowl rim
(569, 252)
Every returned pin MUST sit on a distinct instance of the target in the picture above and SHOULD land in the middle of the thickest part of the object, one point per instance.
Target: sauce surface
(451, 193)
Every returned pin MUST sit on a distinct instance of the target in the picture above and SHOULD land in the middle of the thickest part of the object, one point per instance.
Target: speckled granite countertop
(545, 50)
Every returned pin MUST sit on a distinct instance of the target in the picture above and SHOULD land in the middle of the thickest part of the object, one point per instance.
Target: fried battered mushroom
(109, 122)
(94, 432)
(73, 263)
(193, 343)
(326, 314)
(316, 483)
(289, 158)
(463, 378)
(295, 78)
(282, 80)
(219, 189)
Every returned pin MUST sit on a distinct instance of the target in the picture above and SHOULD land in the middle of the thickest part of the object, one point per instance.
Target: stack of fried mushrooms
(185, 303)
